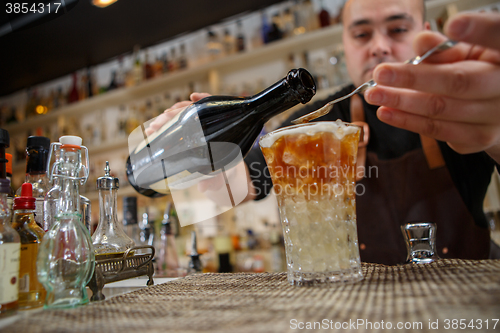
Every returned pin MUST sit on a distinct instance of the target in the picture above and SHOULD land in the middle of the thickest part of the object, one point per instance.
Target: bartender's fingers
(465, 79)
(162, 119)
(475, 28)
(195, 97)
(435, 106)
(462, 137)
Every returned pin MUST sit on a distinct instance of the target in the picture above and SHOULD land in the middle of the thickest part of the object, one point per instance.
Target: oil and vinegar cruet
(66, 259)
(109, 238)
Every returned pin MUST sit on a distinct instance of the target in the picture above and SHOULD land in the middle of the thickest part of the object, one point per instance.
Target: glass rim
(315, 123)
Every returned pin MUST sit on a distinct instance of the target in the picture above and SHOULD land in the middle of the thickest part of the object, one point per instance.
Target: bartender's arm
(453, 97)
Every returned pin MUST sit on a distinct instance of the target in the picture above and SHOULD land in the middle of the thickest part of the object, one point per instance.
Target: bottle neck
(107, 207)
(36, 160)
(20, 214)
(38, 177)
(297, 87)
(69, 169)
(4, 210)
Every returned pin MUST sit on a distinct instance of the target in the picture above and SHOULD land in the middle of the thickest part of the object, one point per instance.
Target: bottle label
(28, 280)
(9, 266)
(39, 212)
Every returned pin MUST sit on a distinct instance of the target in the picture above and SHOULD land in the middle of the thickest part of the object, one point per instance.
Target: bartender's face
(377, 31)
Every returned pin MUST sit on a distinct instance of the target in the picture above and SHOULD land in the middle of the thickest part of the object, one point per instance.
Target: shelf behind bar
(277, 50)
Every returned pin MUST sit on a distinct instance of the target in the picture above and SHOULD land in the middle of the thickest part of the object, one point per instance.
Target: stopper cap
(26, 200)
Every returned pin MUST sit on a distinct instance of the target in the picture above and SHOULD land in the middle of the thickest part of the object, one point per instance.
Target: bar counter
(447, 295)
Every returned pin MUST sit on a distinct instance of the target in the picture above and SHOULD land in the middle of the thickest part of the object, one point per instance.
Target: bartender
(426, 154)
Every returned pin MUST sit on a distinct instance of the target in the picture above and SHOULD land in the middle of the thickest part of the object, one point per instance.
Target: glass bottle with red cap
(66, 258)
(31, 292)
(37, 151)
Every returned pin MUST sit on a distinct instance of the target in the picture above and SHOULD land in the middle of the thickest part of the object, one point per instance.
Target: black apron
(414, 187)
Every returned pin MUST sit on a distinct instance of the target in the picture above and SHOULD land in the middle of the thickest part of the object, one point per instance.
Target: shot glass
(420, 238)
(313, 169)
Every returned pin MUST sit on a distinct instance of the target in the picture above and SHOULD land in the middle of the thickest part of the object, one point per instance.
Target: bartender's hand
(455, 95)
(172, 112)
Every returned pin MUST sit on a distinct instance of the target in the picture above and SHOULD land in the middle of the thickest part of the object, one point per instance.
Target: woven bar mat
(415, 296)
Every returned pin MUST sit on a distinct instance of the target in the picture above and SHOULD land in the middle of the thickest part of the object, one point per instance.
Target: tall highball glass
(313, 169)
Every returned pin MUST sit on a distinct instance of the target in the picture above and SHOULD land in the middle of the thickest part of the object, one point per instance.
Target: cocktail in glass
(313, 169)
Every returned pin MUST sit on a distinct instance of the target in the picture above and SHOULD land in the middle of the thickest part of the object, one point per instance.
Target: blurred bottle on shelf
(148, 68)
(275, 32)
(157, 67)
(10, 245)
(258, 265)
(214, 46)
(73, 95)
(229, 43)
(130, 219)
(83, 87)
(31, 292)
(120, 73)
(112, 84)
(324, 16)
(240, 37)
(287, 23)
(167, 261)
(90, 84)
(8, 115)
(49, 100)
(277, 252)
(60, 99)
(37, 153)
(147, 230)
(298, 18)
(31, 104)
(137, 70)
(223, 246)
(194, 265)
(311, 21)
(165, 62)
(109, 237)
(183, 61)
(173, 63)
(265, 27)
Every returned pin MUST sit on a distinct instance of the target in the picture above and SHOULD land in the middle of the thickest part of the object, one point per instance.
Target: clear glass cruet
(109, 238)
(66, 259)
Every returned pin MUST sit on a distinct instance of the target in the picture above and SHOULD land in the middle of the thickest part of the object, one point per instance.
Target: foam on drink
(339, 128)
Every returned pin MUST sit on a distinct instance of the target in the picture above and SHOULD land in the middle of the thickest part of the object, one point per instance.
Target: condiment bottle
(109, 237)
(66, 258)
(37, 151)
(31, 292)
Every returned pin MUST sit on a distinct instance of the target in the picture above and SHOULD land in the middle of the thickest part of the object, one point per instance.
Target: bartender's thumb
(475, 28)
(195, 97)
